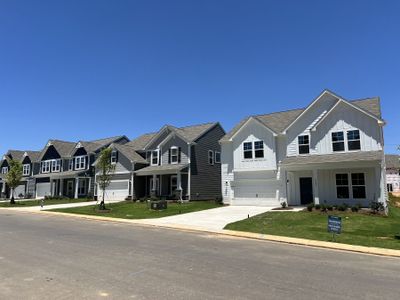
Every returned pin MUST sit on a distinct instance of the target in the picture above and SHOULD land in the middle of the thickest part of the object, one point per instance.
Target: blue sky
(82, 70)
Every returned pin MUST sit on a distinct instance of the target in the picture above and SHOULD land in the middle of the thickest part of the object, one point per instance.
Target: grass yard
(28, 203)
(134, 210)
(357, 228)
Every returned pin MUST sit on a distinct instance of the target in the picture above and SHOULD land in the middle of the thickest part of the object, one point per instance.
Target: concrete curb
(238, 234)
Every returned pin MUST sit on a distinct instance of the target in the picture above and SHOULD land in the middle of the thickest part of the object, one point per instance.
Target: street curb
(238, 234)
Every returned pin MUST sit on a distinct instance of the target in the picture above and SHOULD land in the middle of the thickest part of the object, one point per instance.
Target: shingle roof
(279, 121)
(130, 153)
(19, 154)
(333, 158)
(392, 161)
(108, 140)
(163, 169)
(63, 148)
(141, 141)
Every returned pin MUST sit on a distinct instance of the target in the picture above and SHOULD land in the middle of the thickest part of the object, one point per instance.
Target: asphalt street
(51, 257)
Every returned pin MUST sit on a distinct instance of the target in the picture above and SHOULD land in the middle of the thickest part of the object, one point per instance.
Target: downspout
(189, 170)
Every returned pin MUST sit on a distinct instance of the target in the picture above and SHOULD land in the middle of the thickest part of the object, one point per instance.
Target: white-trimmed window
(46, 166)
(56, 165)
(258, 149)
(4, 170)
(247, 150)
(217, 157)
(154, 157)
(342, 186)
(358, 185)
(174, 183)
(353, 140)
(338, 141)
(114, 157)
(210, 157)
(26, 169)
(71, 164)
(81, 187)
(80, 162)
(304, 144)
(174, 154)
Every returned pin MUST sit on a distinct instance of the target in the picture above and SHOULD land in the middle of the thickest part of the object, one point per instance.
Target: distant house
(171, 163)
(329, 152)
(393, 173)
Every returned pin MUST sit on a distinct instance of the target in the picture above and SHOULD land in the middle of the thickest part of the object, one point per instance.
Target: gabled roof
(130, 153)
(392, 161)
(109, 140)
(63, 148)
(20, 154)
(189, 133)
(280, 121)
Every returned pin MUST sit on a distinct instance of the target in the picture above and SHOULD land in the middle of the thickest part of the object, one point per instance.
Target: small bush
(310, 206)
(317, 206)
(354, 208)
(376, 206)
(283, 204)
(323, 207)
(329, 207)
(342, 207)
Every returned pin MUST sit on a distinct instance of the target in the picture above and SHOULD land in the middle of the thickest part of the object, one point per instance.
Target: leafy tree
(106, 169)
(14, 176)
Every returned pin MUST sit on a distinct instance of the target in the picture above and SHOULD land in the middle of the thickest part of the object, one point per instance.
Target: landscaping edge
(232, 233)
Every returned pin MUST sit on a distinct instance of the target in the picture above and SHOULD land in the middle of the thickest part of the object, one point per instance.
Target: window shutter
(169, 155)
(179, 155)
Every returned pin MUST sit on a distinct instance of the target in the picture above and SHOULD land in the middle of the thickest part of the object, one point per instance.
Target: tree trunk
(12, 201)
(102, 205)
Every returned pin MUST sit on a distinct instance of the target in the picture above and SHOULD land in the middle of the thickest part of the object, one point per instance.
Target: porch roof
(65, 174)
(159, 170)
(359, 156)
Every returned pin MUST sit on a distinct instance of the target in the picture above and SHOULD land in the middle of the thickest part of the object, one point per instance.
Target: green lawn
(357, 228)
(37, 202)
(134, 210)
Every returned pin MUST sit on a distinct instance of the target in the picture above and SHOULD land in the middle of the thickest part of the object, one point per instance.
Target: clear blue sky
(81, 70)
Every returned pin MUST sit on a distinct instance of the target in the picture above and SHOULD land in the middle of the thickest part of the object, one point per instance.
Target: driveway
(211, 219)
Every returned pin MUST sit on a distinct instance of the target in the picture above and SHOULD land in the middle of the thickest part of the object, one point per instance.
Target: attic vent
(49, 144)
(79, 145)
(25, 154)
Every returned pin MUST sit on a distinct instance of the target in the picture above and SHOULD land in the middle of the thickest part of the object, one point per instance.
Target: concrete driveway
(210, 219)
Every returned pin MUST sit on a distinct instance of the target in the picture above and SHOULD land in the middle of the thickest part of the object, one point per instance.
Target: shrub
(323, 207)
(354, 208)
(329, 207)
(283, 204)
(310, 206)
(317, 206)
(376, 206)
(342, 207)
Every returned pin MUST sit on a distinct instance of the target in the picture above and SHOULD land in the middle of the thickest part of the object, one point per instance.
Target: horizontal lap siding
(206, 178)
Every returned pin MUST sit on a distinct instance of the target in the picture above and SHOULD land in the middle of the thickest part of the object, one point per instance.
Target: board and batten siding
(206, 178)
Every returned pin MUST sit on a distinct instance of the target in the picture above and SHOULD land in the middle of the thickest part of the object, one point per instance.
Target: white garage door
(20, 191)
(117, 190)
(43, 189)
(256, 193)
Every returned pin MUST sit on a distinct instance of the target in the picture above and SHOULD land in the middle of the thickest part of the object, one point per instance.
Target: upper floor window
(248, 150)
(217, 157)
(4, 170)
(56, 165)
(71, 164)
(353, 140)
(210, 157)
(45, 166)
(114, 157)
(338, 141)
(259, 149)
(154, 157)
(174, 155)
(26, 169)
(80, 162)
(304, 144)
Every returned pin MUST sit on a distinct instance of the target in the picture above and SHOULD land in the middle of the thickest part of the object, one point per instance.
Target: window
(71, 164)
(174, 155)
(259, 149)
(338, 141)
(26, 169)
(80, 162)
(353, 140)
(342, 186)
(82, 187)
(390, 187)
(56, 165)
(46, 166)
(114, 157)
(358, 185)
(248, 150)
(217, 157)
(210, 157)
(304, 144)
(4, 170)
(154, 157)
(174, 183)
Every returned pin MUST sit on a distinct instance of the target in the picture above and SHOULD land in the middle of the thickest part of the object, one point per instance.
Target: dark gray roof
(109, 140)
(392, 161)
(63, 148)
(163, 169)
(333, 158)
(279, 121)
(130, 153)
(19, 154)
(189, 133)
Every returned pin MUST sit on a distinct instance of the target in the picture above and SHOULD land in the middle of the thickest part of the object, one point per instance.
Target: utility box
(158, 205)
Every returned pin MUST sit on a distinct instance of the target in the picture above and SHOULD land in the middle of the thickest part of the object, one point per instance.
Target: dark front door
(306, 190)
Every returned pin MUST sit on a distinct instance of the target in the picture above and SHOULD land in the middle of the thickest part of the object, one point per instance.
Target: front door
(70, 188)
(306, 190)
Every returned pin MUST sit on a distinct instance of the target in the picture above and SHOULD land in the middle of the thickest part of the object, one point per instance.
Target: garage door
(19, 191)
(117, 190)
(256, 193)
(43, 189)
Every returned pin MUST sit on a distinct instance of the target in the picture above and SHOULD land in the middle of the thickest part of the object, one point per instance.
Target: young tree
(106, 169)
(13, 177)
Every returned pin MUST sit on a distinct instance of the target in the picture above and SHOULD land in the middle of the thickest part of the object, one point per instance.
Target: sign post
(334, 225)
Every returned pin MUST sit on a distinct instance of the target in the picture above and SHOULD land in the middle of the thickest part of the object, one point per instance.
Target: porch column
(3, 188)
(154, 186)
(179, 184)
(76, 188)
(315, 186)
(89, 189)
(51, 188)
(61, 187)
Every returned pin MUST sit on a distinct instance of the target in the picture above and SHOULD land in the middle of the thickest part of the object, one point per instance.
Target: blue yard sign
(335, 224)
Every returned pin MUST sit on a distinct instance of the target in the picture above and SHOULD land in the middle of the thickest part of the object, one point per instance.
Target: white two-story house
(331, 152)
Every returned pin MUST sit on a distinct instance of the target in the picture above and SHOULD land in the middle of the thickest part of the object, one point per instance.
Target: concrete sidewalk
(53, 206)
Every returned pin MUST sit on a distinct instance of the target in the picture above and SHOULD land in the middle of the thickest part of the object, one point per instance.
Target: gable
(253, 130)
(50, 153)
